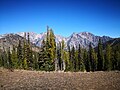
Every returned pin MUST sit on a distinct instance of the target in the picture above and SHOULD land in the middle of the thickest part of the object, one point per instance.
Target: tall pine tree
(73, 60)
(14, 58)
(80, 64)
(43, 60)
(100, 56)
(108, 65)
(25, 64)
(20, 55)
(51, 48)
(92, 58)
(9, 62)
(29, 53)
(86, 61)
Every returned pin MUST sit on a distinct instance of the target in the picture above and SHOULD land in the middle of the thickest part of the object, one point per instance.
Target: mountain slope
(83, 38)
(8, 40)
(114, 43)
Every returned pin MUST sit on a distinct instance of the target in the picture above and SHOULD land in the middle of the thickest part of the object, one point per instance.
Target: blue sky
(100, 17)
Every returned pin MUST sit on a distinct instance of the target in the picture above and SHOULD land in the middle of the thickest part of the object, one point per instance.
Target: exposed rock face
(85, 38)
(8, 40)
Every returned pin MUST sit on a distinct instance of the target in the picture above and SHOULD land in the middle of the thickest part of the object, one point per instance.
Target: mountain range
(82, 38)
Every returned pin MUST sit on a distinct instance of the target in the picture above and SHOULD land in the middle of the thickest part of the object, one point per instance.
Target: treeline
(54, 56)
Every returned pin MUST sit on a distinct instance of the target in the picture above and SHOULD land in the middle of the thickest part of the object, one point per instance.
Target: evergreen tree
(79, 57)
(25, 65)
(35, 61)
(9, 62)
(4, 57)
(43, 60)
(92, 58)
(114, 62)
(81, 65)
(76, 60)
(73, 68)
(20, 54)
(59, 56)
(116, 59)
(14, 58)
(108, 65)
(63, 54)
(51, 48)
(100, 56)
(70, 58)
(67, 62)
(29, 53)
(86, 61)
(95, 59)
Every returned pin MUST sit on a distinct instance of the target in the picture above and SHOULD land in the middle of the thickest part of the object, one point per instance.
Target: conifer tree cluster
(54, 56)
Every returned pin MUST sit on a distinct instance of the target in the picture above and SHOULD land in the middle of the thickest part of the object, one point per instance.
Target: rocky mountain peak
(82, 38)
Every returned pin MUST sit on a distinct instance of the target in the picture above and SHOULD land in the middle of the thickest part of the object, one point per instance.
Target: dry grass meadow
(37, 80)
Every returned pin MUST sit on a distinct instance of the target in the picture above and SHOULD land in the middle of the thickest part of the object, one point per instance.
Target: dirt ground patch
(37, 80)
